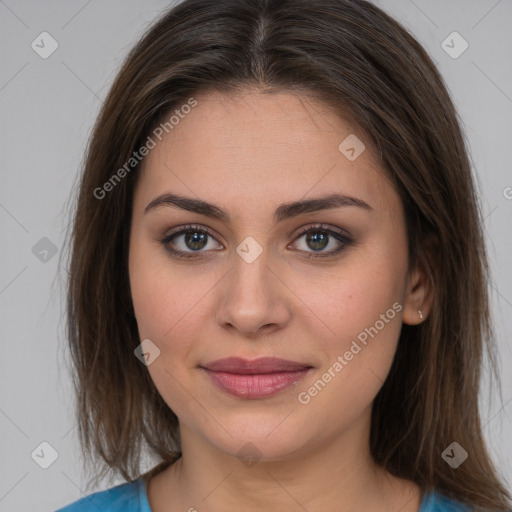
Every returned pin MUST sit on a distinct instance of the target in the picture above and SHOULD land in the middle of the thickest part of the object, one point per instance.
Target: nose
(253, 300)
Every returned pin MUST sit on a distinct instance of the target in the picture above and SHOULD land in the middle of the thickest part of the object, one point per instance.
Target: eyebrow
(283, 212)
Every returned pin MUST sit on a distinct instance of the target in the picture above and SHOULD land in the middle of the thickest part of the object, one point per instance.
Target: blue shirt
(132, 497)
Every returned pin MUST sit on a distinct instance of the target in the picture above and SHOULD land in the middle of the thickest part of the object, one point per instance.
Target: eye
(195, 238)
(319, 237)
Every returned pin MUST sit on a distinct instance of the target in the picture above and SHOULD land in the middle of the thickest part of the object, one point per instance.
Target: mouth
(258, 378)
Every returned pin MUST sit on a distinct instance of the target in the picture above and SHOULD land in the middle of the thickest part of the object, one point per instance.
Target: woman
(278, 276)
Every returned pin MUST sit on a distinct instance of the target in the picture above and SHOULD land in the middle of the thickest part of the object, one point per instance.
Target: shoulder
(127, 497)
(436, 502)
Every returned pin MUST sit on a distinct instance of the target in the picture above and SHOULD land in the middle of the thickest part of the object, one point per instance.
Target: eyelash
(342, 238)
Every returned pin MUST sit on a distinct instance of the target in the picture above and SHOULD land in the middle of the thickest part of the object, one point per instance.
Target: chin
(265, 438)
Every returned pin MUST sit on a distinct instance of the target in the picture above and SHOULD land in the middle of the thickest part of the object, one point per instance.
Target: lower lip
(255, 385)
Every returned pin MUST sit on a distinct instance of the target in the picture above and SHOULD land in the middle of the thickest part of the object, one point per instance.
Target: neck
(335, 473)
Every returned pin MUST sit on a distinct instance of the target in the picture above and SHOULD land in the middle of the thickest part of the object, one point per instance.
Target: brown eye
(316, 239)
(196, 239)
(186, 240)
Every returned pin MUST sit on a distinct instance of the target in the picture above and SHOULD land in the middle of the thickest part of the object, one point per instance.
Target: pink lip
(255, 379)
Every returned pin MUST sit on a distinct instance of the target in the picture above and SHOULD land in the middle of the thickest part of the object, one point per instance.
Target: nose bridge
(252, 296)
(249, 281)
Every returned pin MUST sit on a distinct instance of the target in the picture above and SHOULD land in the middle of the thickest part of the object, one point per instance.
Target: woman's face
(251, 285)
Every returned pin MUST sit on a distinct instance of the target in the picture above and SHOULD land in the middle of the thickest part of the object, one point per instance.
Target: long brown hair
(362, 63)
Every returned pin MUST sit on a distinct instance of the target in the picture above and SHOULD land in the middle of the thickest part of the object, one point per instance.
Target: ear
(420, 289)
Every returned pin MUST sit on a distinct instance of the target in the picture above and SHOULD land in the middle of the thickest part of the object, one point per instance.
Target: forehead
(247, 150)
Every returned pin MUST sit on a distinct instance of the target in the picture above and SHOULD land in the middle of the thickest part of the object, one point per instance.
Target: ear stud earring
(420, 313)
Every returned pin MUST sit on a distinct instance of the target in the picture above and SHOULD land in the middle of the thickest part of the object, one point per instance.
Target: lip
(258, 378)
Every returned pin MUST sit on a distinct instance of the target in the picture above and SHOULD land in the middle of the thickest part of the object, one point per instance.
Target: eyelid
(190, 227)
(322, 227)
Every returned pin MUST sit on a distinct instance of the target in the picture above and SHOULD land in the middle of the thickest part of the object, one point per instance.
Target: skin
(248, 154)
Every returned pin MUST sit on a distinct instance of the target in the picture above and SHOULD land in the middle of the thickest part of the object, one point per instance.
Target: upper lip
(262, 365)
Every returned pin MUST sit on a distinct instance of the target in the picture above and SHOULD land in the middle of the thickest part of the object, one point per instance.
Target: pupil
(319, 240)
(196, 239)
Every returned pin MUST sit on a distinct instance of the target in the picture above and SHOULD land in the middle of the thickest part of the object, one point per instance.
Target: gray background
(48, 107)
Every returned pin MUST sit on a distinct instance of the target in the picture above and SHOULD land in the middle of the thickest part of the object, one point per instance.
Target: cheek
(170, 301)
(362, 309)
(356, 365)
(158, 297)
(354, 296)
(164, 306)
